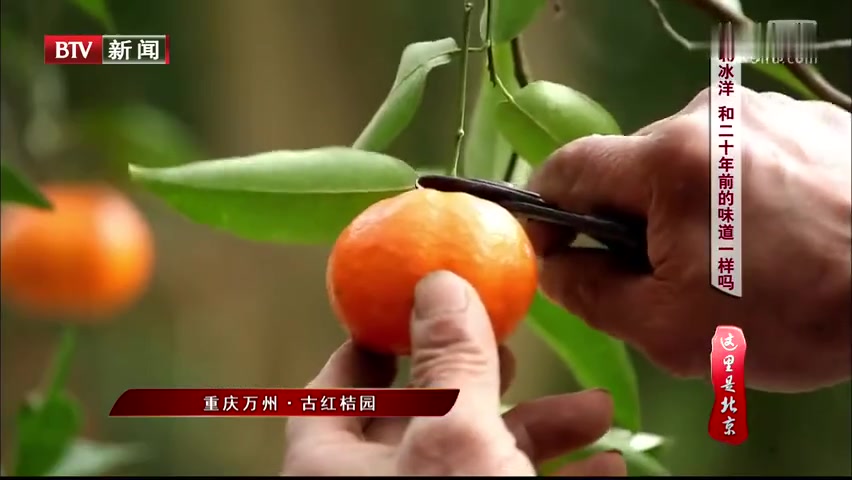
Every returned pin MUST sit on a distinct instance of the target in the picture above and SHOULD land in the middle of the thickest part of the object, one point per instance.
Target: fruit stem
(523, 78)
(468, 9)
(489, 50)
(62, 361)
(489, 55)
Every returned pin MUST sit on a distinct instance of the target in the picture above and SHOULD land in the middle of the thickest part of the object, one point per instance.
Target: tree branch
(522, 69)
(806, 74)
(523, 77)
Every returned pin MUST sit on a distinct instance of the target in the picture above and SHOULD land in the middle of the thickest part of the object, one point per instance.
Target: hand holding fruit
(452, 345)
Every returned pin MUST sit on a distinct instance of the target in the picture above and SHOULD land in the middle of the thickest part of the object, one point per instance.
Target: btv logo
(69, 49)
(73, 49)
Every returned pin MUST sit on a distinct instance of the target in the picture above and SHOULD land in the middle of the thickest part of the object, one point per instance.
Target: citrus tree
(309, 197)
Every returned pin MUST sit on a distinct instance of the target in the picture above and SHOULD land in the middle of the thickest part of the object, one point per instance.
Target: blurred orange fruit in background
(379, 258)
(84, 261)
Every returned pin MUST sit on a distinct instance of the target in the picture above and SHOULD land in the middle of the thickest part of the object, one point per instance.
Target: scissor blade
(620, 238)
(485, 189)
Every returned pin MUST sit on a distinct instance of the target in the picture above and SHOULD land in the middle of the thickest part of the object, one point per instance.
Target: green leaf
(544, 116)
(304, 197)
(433, 170)
(399, 107)
(637, 449)
(595, 359)
(46, 429)
(98, 10)
(88, 458)
(14, 188)
(137, 135)
(509, 18)
(782, 74)
(486, 152)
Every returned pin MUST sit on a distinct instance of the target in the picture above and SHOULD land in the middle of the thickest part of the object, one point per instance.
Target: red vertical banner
(728, 418)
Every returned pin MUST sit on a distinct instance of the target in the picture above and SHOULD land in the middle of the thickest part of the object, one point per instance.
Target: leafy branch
(806, 74)
(693, 45)
(520, 70)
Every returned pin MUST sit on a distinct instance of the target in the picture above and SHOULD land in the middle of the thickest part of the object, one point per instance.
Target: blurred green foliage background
(255, 75)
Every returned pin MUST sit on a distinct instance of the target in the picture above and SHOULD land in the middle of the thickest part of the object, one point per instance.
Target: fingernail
(439, 293)
(602, 390)
(614, 450)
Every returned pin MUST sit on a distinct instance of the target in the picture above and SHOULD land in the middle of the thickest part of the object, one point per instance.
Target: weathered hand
(452, 347)
(795, 306)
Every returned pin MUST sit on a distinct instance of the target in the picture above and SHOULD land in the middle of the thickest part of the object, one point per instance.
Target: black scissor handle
(625, 238)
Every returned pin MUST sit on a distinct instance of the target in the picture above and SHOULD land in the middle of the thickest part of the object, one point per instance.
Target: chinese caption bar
(260, 402)
(726, 159)
(728, 422)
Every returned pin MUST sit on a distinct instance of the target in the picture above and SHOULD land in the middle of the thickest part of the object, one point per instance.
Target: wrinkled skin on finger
(796, 232)
(452, 347)
(541, 430)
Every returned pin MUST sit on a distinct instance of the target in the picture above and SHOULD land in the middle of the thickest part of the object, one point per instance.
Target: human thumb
(452, 342)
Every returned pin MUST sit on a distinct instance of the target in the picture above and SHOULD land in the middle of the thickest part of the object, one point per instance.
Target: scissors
(623, 237)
